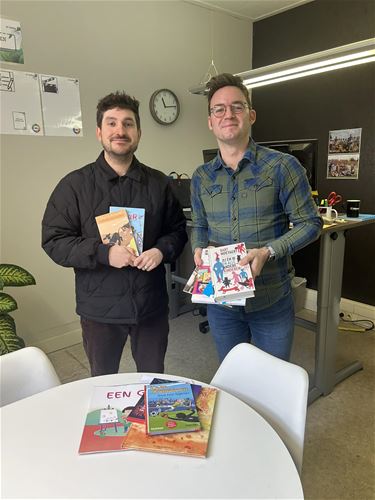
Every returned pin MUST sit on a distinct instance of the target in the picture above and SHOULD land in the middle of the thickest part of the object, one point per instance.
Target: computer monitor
(305, 150)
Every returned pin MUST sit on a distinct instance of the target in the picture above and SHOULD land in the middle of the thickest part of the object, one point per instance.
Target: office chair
(25, 372)
(203, 326)
(276, 389)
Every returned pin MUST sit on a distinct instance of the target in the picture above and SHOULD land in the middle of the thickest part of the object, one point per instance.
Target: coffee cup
(352, 208)
(328, 212)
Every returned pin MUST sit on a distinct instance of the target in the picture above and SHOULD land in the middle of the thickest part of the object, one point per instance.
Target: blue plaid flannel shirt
(256, 204)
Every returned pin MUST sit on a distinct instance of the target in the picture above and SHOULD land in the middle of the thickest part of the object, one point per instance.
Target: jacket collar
(134, 172)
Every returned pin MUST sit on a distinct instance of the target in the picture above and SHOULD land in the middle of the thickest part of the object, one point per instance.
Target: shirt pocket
(215, 201)
(257, 197)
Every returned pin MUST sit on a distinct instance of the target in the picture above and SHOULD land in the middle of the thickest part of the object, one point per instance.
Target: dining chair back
(275, 388)
(25, 372)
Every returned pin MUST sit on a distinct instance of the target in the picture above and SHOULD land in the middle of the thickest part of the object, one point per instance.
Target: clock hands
(165, 105)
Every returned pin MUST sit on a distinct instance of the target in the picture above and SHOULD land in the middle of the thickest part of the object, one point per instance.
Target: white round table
(41, 435)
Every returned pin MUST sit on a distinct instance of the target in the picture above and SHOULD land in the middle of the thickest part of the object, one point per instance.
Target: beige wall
(138, 46)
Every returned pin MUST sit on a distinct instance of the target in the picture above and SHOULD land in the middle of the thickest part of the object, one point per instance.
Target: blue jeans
(270, 329)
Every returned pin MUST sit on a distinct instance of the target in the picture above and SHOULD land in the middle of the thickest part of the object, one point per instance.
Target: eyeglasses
(220, 109)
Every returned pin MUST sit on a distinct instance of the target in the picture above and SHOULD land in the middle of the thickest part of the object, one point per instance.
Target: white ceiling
(253, 10)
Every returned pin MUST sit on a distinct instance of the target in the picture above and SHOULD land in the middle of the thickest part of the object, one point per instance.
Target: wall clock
(164, 106)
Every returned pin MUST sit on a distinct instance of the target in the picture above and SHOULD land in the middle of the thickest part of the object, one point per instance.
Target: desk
(331, 267)
(41, 436)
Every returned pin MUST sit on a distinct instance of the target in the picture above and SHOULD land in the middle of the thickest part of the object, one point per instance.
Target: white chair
(276, 389)
(25, 372)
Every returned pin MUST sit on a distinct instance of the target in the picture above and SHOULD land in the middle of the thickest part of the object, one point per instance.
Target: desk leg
(331, 265)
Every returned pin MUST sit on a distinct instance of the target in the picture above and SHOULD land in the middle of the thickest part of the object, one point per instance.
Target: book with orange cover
(193, 444)
(115, 229)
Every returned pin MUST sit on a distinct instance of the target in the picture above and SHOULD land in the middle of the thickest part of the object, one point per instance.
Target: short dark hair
(226, 80)
(117, 100)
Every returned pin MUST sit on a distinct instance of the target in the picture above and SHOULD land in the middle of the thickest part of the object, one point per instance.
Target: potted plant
(11, 275)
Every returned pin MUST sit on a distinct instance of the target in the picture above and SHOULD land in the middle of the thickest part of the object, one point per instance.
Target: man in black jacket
(117, 293)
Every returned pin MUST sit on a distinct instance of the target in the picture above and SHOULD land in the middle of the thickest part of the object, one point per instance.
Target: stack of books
(163, 416)
(220, 279)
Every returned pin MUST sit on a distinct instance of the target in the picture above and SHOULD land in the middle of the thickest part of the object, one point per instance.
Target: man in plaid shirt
(259, 196)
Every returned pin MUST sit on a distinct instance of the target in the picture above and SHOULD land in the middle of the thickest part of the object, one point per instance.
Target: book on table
(109, 427)
(194, 444)
(136, 218)
(138, 412)
(106, 422)
(115, 229)
(170, 408)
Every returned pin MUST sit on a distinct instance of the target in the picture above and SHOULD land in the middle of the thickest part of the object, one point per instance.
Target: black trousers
(104, 343)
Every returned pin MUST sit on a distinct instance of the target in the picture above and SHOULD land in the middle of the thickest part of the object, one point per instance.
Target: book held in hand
(170, 408)
(229, 278)
(201, 288)
(136, 218)
(115, 229)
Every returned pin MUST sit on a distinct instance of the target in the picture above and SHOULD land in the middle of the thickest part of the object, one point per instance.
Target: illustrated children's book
(106, 424)
(115, 228)
(193, 444)
(138, 412)
(170, 408)
(200, 286)
(230, 280)
(136, 218)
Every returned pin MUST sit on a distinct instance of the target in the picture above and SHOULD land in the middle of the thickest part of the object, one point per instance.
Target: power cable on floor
(360, 325)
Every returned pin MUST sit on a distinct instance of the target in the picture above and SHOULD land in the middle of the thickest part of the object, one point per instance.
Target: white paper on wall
(61, 106)
(21, 111)
(11, 41)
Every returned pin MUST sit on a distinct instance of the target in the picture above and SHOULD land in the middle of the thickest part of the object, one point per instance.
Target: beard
(120, 152)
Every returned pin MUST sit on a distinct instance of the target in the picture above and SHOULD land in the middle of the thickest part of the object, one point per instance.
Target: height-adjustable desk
(331, 266)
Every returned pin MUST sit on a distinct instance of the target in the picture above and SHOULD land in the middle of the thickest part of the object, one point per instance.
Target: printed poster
(343, 153)
(61, 106)
(11, 42)
(21, 111)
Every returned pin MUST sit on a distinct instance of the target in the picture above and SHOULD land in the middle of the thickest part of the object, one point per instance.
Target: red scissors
(334, 198)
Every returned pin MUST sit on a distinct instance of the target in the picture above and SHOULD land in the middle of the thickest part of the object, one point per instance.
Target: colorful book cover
(170, 408)
(193, 444)
(138, 412)
(230, 280)
(106, 422)
(136, 218)
(115, 229)
(200, 286)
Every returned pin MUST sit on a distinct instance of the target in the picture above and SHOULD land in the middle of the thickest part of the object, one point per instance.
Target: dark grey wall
(311, 106)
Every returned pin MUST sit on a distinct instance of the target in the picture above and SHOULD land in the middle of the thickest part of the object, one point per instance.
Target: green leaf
(9, 341)
(13, 275)
(7, 303)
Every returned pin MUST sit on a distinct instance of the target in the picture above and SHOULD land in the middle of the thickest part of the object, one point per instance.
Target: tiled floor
(340, 430)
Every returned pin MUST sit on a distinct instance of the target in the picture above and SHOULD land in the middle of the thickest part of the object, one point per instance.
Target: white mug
(328, 212)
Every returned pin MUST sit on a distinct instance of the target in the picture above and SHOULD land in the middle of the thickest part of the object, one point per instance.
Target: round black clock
(164, 106)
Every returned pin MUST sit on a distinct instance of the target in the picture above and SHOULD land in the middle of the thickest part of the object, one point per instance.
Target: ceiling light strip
(252, 85)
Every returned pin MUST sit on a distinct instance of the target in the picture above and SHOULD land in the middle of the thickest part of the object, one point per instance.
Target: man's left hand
(148, 260)
(256, 257)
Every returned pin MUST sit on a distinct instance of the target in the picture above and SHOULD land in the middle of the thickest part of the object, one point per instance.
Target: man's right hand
(198, 257)
(120, 256)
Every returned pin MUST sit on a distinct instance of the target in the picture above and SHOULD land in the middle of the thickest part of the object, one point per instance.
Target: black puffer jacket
(71, 238)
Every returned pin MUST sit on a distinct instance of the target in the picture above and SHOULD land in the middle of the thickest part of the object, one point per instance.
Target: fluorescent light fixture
(345, 56)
